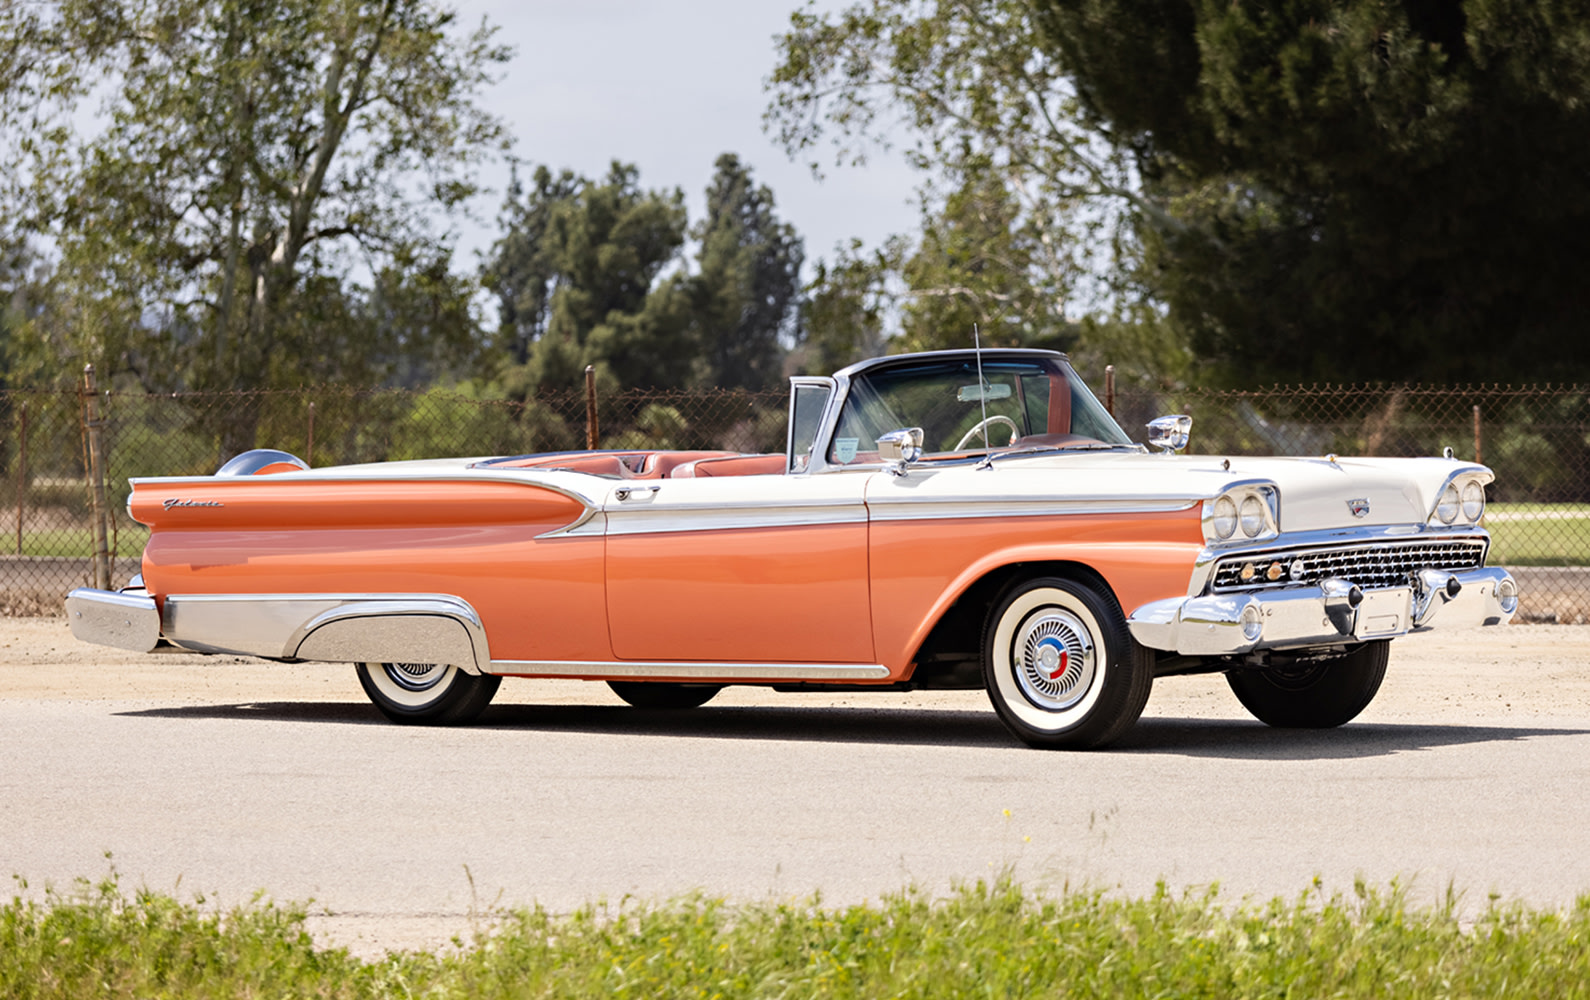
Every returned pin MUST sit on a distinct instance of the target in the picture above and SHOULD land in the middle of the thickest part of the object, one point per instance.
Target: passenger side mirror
(1170, 434)
(900, 448)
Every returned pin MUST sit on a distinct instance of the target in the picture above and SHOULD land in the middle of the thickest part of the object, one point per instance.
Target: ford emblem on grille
(1360, 508)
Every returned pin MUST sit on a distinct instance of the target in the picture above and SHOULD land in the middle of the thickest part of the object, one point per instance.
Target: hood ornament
(1360, 507)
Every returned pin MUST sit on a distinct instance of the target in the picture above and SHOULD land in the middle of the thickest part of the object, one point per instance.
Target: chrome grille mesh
(1382, 564)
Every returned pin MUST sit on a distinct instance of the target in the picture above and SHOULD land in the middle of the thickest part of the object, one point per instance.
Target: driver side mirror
(900, 448)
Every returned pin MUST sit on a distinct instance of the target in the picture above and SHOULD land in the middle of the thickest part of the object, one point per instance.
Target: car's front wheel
(1316, 694)
(1060, 666)
(433, 694)
(664, 694)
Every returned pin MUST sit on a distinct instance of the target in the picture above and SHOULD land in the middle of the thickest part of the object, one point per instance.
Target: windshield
(1023, 403)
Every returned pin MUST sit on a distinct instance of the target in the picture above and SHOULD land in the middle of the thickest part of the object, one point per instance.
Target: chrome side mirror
(900, 448)
(1170, 434)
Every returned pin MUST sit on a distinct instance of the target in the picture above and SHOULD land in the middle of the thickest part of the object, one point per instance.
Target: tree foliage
(591, 273)
(745, 293)
(255, 204)
(576, 272)
(1368, 189)
(1022, 203)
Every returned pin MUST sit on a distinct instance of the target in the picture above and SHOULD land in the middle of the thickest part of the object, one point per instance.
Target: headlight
(1473, 502)
(1225, 518)
(1252, 516)
(1446, 509)
(1254, 507)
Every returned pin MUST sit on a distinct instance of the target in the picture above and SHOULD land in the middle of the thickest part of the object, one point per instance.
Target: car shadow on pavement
(1237, 739)
(1244, 739)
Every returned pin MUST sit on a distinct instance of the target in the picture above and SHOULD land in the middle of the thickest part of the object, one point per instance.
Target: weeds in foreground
(988, 939)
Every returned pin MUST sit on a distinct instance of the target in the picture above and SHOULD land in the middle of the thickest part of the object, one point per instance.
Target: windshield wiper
(988, 459)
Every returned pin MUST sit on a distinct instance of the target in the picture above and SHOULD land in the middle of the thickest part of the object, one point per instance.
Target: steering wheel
(982, 428)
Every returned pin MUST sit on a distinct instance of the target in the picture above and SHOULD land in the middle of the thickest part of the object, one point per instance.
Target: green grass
(984, 940)
(73, 542)
(1537, 534)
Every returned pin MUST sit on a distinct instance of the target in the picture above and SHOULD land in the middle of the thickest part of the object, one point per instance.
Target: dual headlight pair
(1244, 513)
(1460, 502)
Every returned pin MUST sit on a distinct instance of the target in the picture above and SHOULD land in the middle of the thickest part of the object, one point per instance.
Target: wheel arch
(956, 624)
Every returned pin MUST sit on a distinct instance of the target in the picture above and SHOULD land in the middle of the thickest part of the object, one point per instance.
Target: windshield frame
(858, 377)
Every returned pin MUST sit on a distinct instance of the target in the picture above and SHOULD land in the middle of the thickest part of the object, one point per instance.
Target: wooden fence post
(22, 471)
(92, 427)
(592, 436)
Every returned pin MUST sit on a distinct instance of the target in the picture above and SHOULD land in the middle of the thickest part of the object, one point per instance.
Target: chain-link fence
(1536, 438)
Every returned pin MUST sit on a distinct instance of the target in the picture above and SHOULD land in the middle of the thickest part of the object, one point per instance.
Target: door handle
(635, 492)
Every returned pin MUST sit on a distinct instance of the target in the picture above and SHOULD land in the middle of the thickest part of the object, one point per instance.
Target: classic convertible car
(956, 519)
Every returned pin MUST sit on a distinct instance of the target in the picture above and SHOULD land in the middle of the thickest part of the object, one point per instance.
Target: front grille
(1381, 564)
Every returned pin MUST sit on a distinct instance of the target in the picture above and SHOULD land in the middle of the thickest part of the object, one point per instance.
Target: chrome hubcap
(415, 676)
(1054, 661)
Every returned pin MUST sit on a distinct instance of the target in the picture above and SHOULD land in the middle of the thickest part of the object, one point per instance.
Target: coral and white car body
(854, 558)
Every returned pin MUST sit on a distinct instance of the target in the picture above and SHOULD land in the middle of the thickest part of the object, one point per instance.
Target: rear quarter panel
(539, 596)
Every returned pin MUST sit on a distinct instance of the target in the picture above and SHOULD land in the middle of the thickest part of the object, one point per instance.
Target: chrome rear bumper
(126, 621)
(1336, 611)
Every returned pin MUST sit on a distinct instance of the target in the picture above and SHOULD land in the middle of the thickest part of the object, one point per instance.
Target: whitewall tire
(427, 693)
(1060, 666)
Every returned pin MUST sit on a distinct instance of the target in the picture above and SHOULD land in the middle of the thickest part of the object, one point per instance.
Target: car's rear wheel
(1060, 666)
(664, 694)
(434, 694)
(1317, 694)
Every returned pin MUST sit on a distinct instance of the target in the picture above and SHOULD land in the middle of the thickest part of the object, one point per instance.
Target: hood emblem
(1360, 508)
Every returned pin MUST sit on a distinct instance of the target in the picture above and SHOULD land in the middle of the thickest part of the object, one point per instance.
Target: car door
(746, 569)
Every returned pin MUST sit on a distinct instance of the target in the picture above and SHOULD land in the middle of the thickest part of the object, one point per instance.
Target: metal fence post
(309, 452)
(1477, 434)
(592, 436)
(22, 470)
(92, 426)
(1109, 389)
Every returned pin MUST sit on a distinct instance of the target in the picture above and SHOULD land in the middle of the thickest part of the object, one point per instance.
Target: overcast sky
(669, 85)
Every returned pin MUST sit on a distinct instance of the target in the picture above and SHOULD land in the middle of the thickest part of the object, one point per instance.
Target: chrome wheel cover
(415, 676)
(410, 685)
(1054, 659)
(1028, 677)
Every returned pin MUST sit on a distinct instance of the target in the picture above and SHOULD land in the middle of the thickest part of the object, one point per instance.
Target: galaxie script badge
(181, 502)
(1360, 508)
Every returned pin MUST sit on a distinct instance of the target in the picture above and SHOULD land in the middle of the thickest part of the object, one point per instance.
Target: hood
(1315, 493)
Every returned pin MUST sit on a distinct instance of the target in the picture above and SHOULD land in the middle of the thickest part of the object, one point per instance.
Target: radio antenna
(982, 386)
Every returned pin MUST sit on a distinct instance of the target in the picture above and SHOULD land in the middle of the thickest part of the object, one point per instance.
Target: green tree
(745, 296)
(846, 307)
(1366, 189)
(576, 275)
(253, 158)
(984, 263)
(1024, 205)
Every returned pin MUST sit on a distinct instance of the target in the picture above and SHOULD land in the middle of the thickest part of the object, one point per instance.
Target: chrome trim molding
(108, 618)
(1479, 473)
(947, 508)
(341, 628)
(693, 670)
(680, 519)
(1234, 624)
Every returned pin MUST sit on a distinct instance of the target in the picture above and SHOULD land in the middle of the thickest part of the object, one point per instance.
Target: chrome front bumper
(1334, 612)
